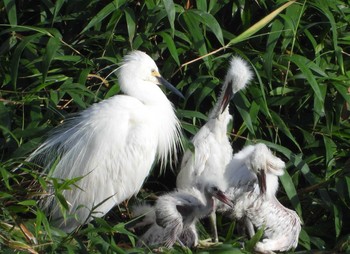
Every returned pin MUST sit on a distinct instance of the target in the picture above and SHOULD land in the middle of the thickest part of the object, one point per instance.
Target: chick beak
(262, 181)
(165, 83)
(227, 97)
(223, 198)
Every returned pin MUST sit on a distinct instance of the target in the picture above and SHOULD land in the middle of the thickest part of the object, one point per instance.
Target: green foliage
(58, 57)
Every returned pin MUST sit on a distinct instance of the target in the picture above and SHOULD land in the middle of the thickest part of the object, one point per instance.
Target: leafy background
(58, 57)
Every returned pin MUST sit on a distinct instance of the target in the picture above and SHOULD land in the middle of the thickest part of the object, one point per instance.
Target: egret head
(214, 186)
(265, 165)
(237, 78)
(138, 66)
(214, 191)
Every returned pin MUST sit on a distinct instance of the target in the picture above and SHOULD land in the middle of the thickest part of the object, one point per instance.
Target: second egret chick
(253, 178)
(176, 213)
(212, 148)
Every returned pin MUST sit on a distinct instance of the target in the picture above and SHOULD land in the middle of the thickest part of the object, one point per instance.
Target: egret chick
(112, 145)
(253, 179)
(212, 148)
(177, 212)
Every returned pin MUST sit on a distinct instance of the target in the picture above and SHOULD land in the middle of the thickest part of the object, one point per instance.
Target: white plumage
(175, 214)
(212, 148)
(253, 179)
(112, 144)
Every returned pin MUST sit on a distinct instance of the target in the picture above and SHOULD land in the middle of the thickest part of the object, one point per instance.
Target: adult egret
(253, 179)
(176, 213)
(212, 148)
(112, 144)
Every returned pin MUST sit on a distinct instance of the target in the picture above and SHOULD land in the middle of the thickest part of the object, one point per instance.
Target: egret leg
(214, 227)
(180, 242)
(249, 226)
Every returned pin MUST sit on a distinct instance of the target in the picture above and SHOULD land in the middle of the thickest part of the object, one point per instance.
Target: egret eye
(154, 72)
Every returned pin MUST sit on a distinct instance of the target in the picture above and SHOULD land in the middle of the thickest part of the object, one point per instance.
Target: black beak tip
(165, 83)
(224, 198)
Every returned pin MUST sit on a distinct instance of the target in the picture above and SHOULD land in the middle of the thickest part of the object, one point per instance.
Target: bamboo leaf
(171, 46)
(10, 7)
(131, 24)
(259, 25)
(291, 192)
(17, 56)
(284, 128)
(250, 244)
(58, 6)
(170, 9)
(51, 48)
(101, 15)
(208, 20)
(302, 63)
(195, 31)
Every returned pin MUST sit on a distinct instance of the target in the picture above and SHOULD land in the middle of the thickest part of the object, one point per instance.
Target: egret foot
(207, 243)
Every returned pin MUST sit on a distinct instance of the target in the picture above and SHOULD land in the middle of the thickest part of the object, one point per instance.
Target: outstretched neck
(217, 109)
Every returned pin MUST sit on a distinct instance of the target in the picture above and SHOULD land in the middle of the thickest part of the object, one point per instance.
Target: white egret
(112, 145)
(212, 148)
(253, 179)
(176, 213)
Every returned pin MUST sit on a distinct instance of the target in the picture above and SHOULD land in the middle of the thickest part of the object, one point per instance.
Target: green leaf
(170, 9)
(58, 6)
(171, 46)
(259, 25)
(14, 63)
(274, 35)
(101, 15)
(208, 20)
(338, 219)
(191, 114)
(304, 239)
(196, 33)
(284, 128)
(62, 200)
(10, 6)
(51, 48)
(131, 24)
(331, 149)
(303, 64)
(6, 131)
(27, 203)
(291, 192)
(250, 244)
